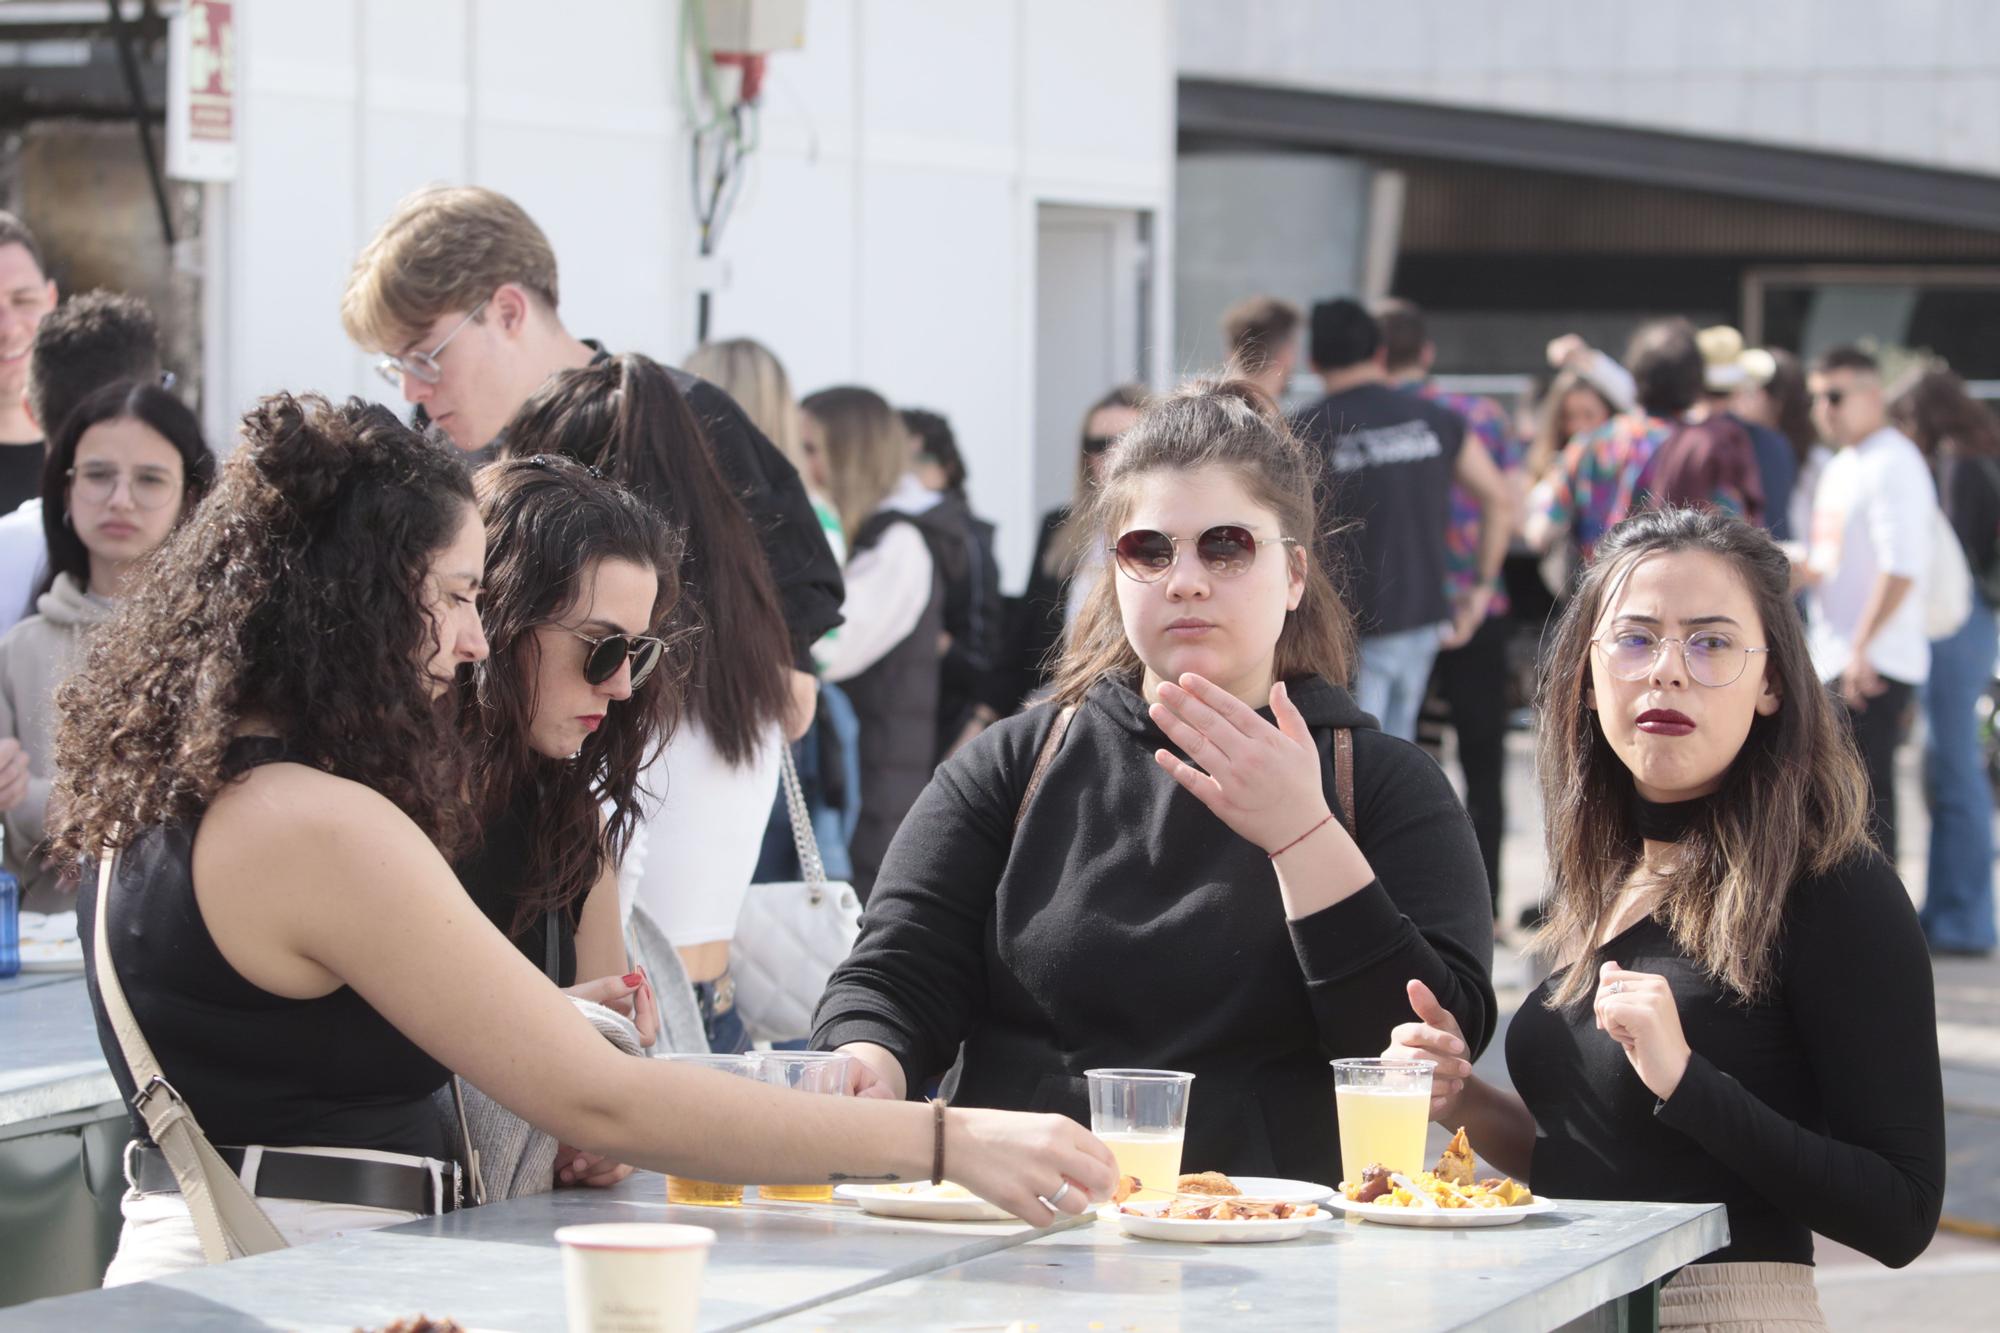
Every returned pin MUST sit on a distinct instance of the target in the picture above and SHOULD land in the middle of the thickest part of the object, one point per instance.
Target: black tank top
(254, 1067)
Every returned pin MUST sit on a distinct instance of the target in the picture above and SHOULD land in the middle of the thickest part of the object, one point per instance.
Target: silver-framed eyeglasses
(608, 652)
(424, 365)
(149, 487)
(1713, 657)
(1225, 551)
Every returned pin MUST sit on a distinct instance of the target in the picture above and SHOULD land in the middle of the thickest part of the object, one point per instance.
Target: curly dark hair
(548, 521)
(295, 597)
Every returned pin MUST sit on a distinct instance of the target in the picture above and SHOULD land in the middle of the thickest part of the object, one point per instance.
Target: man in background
(1261, 335)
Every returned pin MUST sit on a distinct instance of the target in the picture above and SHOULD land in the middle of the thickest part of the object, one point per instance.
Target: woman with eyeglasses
(1741, 1010)
(263, 730)
(710, 790)
(1067, 563)
(122, 471)
(1158, 867)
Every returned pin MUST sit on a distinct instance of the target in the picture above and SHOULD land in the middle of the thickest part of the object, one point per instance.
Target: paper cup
(633, 1277)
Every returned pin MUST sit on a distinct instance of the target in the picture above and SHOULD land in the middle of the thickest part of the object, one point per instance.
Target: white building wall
(885, 235)
(1917, 81)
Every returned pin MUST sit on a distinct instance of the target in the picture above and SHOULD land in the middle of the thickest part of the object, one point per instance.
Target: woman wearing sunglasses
(122, 471)
(1178, 890)
(561, 719)
(710, 791)
(261, 728)
(1068, 561)
(1742, 1008)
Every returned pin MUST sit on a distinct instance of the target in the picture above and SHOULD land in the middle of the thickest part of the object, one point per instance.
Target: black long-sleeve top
(1126, 925)
(1818, 1108)
(1969, 492)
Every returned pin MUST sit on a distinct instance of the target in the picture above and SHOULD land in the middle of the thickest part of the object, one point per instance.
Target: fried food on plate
(1208, 1182)
(1450, 1185)
(1456, 1163)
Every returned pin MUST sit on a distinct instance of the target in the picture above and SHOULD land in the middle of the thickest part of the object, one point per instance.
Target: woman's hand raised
(1263, 781)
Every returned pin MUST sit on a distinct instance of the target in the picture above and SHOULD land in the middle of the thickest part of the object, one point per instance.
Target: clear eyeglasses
(1713, 658)
(424, 365)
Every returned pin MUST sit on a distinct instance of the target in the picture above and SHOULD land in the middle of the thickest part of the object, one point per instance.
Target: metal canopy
(1215, 113)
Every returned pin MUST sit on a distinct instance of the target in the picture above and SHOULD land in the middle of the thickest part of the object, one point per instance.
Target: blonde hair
(751, 373)
(1228, 424)
(445, 248)
(867, 451)
(1066, 551)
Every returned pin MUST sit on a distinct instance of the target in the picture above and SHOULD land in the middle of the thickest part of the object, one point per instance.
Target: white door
(1091, 295)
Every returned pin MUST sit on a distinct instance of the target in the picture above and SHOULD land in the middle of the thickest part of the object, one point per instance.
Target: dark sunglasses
(1225, 551)
(1831, 397)
(610, 652)
(1093, 445)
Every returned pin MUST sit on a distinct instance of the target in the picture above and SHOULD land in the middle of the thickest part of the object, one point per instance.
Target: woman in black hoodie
(1176, 891)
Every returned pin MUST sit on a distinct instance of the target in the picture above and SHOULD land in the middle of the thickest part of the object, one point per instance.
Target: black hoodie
(1128, 926)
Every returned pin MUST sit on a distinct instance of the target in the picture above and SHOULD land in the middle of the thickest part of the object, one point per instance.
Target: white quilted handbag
(791, 936)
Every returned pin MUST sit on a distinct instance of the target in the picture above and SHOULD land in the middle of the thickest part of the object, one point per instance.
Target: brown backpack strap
(1343, 776)
(1043, 760)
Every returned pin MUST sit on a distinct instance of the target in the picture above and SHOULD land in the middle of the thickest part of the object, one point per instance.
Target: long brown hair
(867, 450)
(1066, 551)
(295, 595)
(624, 415)
(1791, 403)
(1227, 424)
(1793, 802)
(549, 522)
(1932, 407)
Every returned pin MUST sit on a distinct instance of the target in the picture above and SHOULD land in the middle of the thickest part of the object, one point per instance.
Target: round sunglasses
(612, 651)
(1225, 551)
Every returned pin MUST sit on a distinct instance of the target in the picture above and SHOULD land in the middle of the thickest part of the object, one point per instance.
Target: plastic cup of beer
(1384, 1109)
(803, 1071)
(1141, 1115)
(633, 1277)
(709, 1193)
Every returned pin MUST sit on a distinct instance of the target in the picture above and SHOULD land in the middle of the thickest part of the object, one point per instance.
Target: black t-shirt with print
(1384, 501)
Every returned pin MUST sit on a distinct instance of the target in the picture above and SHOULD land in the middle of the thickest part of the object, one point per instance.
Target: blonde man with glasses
(458, 292)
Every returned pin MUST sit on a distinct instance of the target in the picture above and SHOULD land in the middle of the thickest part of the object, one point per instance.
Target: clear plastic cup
(823, 1072)
(1384, 1109)
(709, 1193)
(1141, 1115)
(633, 1277)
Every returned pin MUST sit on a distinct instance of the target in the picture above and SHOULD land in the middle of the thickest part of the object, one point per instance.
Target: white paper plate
(1272, 1189)
(920, 1204)
(1444, 1219)
(1191, 1231)
(51, 956)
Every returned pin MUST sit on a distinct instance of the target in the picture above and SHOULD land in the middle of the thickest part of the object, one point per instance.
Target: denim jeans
(1395, 670)
(1958, 902)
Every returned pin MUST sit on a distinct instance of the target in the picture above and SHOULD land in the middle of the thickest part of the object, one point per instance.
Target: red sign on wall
(201, 98)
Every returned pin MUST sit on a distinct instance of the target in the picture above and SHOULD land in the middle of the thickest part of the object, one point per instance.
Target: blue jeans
(1958, 902)
(1395, 671)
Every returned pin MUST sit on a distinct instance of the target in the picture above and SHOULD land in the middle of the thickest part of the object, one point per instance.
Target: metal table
(804, 1266)
(62, 1129)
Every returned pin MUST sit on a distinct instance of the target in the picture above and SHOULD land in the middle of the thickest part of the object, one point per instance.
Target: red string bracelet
(1302, 837)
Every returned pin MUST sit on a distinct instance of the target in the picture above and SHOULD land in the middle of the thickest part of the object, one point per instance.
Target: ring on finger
(1614, 987)
(1054, 1199)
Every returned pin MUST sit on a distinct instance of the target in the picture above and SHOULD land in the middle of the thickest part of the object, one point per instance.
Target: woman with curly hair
(1741, 1008)
(260, 737)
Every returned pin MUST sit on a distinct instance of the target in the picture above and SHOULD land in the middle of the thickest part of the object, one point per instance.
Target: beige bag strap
(475, 1180)
(1343, 776)
(226, 1215)
(1043, 760)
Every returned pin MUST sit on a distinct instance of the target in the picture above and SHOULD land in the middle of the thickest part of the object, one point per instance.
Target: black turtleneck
(1817, 1107)
(1125, 925)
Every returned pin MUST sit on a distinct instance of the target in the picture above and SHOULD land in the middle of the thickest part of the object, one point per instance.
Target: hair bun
(1225, 390)
(306, 448)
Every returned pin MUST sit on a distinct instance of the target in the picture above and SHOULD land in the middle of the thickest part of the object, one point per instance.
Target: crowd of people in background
(634, 604)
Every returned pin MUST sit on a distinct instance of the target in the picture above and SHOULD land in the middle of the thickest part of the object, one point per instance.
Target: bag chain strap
(810, 865)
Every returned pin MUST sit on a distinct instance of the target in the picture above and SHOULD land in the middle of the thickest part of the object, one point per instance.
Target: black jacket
(896, 702)
(1125, 925)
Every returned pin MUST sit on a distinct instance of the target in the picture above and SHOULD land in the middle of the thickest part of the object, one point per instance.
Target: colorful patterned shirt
(1487, 422)
(1596, 482)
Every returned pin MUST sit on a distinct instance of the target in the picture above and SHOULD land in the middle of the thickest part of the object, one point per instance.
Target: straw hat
(1728, 363)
